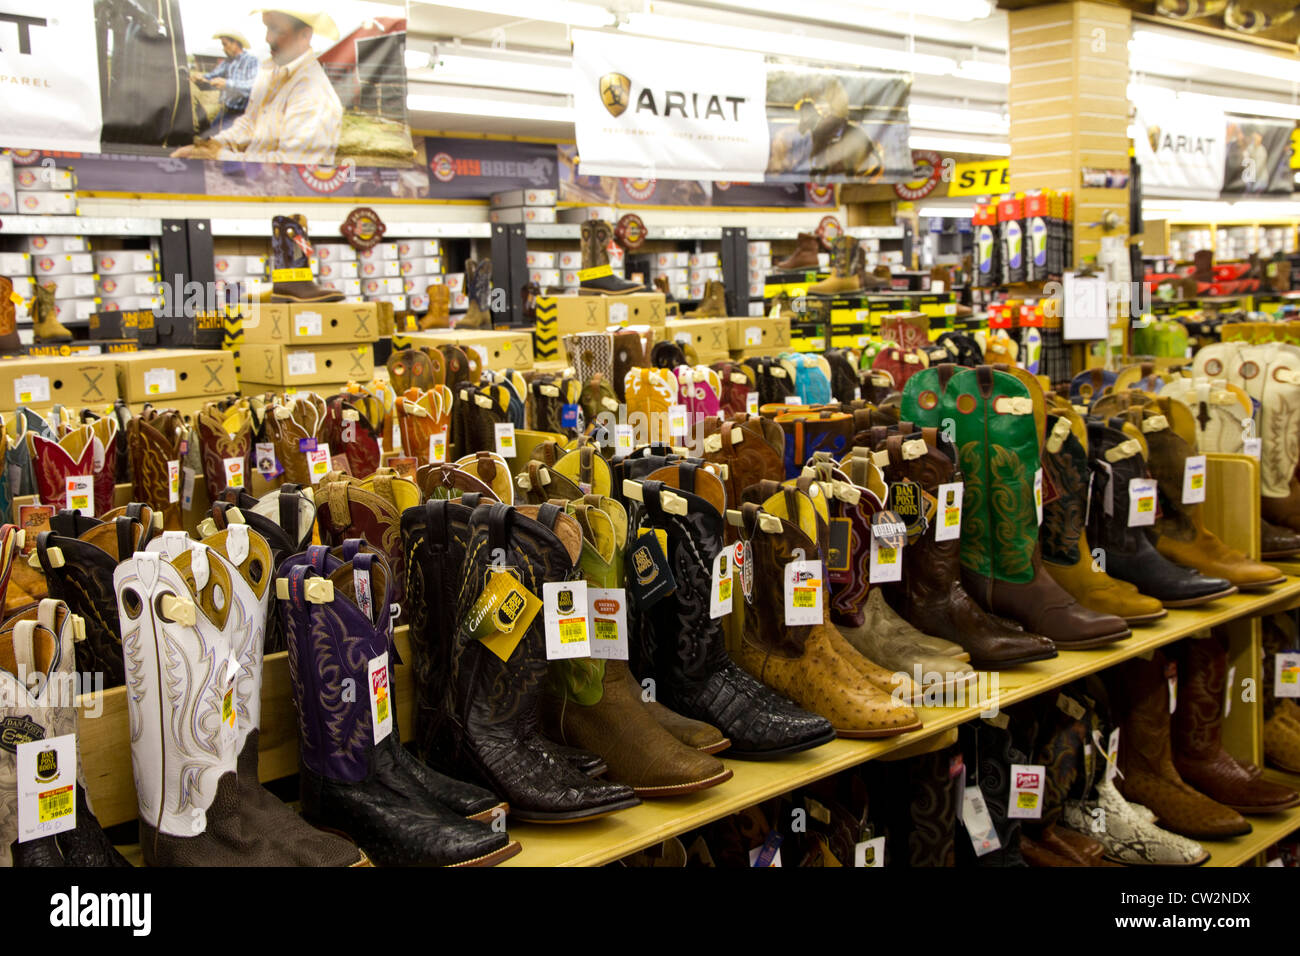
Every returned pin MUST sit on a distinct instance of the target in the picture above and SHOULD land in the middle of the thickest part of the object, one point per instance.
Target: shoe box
(500, 350)
(753, 335)
(595, 313)
(8, 190)
(294, 365)
(44, 381)
(113, 262)
(47, 203)
(162, 375)
(707, 336)
(318, 323)
(122, 323)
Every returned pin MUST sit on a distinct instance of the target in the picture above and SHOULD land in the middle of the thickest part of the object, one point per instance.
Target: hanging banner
(646, 109)
(189, 79)
(1257, 158)
(1180, 149)
(51, 89)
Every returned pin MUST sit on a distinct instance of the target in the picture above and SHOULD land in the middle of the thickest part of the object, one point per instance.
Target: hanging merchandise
(988, 245)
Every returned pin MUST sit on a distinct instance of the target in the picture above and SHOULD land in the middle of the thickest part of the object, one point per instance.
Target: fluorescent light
(551, 11)
(946, 212)
(953, 144)
(863, 14)
(501, 109)
(983, 72)
(1234, 57)
(417, 60)
(956, 119)
(502, 74)
(786, 44)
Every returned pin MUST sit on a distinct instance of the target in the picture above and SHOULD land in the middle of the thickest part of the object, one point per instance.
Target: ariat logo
(510, 610)
(615, 93)
(24, 25)
(47, 765)
(643, 565)
(19, 730)
(564, 601)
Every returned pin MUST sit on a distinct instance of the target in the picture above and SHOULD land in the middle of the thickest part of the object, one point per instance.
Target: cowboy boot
(478, 290)
(743, 447)
(495, 687)
(291, 278)
(807, 246)
(1117, 456)
(1147, 772)
(46, 326)
(348, 428)
(370, 509)
(352, 778)
(225, 434)
(424, 423)
(596, 703)
(989, 752)
(596, 277)
(684, 650)
(38, 643)
(714, 303)
(848, 268)
(416, 368)
(551, 394)
(671, 308)
(10, 344)
(439, 314)
(1066, 554)
(807, 433)
(54, 462)
(154, 440)
(1199, 756)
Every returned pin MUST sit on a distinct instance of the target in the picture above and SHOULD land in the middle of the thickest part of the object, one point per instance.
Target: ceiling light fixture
(1234, 57)
(499, 109)
(551, 11)
(954, 144)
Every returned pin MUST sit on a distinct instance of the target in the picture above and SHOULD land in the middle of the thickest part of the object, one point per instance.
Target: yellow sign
(989, 178)
(1295, 148)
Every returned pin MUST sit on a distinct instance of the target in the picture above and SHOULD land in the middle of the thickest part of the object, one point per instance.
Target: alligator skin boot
(291, 278)
(154, 439)
(1066, 553)
(478, 290)
(596, 277)
(999, 419)
(848, 268)
(596, 704)
(225, 434)
(807, 246)
(1147, 772)
(353, 781)
(1199, 755)
(803, 662)
(1117, 456)
(496, 688)
(371, 509)
(39, 642)
(1181, 535)
(684, 651)
(10, 344)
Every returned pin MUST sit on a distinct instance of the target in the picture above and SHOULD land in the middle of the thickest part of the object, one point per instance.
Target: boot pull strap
(499, 527)
(894, 446)
(472, 499)
(580, 511)
(135, 511)
(906, 428)
(749, 513)
(125, 539)
(879, 434)
(352, 547)
(686, 475)
(984, 379)
(317, 556)
(1098, 380)
(435, 523)
(289, 513)
(650, 498)
(383, 485)
(548, 514)
(945, 371)
(337, 503)
(363, 562)
(931, 436)
(297, 586)
(585, 464)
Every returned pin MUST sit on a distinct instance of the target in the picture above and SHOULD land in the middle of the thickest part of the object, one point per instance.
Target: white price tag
(318, 463)
(31, 390)
(1286, 677)
(1141, 502)
(677, 420)
(885, 564)
(1038, 494)
(793, 400)
(47, 787)
(623, 438)
(1253, 447)
(720, 590)
(869, 852)
(1026, 799)
(947, 526)
(753, 335)
(1194, 480)
(1112, 755)
(751, 403)
(564, 610)
(306, 324)
(160, 381)
(1228, 693)
(803, 593)
(979, 825)
(301, 363)
(173, 481)
(234, 469)
(608, 612)
(505, 439)
(187, 488)
(438, 446)
(80, 494)
(381, 701)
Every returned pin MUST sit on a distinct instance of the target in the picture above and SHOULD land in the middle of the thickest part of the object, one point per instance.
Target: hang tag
(187, 488)
(1171, 675)
(1026, 799)
(395, 442)
(381, 701)
(1286, 676)
(1194, 480)
(1228, 690)
(1141, 502)
(838, 550)
(564, 612)
(751, 403)
(365, 599)
(173, 481)
(79, 494)
(318, 463)
(650, 579)
(607, 610)
(505, 439)
(1112, 755)
(723, 580)
(623, 438)
(229, 712)
(947, 524)
(267, 463)
(47, 787)
(234, 468)
(1038, 494)
(438, 446)
(571, 416)
(1253, 447)
(793, 400)
(886, 562)
(803, 593)
(742, 570)
(160, 381)
(979, 825)
(769, 854)
(349, 434)
(869, 852)
(502, 613)
(677, 420)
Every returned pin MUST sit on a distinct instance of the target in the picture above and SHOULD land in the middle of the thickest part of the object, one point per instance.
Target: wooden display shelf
(1266, 830)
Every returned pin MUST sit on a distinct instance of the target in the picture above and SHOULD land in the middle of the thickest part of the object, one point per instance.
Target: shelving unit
(80, 226)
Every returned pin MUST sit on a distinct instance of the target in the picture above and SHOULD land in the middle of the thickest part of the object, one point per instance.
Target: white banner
(646, 109)
(1180, 149)
(49, 78)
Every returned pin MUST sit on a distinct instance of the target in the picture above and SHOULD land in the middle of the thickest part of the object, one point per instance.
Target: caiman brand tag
(650, 579)
(839, 550)
(503, 612)
(565, 614)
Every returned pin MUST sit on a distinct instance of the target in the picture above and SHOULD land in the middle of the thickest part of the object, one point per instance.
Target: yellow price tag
(53, 804)
(1027, 801)
(805, 597)
(1289, 675)
(573, 630)
(606, 630)
(886, 554)
(724, 590)
(1198, 481)
(228, 708)
(81, 502)
(1146, 504)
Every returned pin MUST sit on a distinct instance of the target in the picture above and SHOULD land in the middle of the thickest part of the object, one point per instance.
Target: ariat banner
(647, 109)
(1180, 149)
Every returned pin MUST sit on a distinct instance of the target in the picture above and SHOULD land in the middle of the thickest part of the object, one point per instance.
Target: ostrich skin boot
(683, 650)
(291, 276)
(352, 777)
(1147, 772)
(596, 277)
(1199, 756)
(1066, 553)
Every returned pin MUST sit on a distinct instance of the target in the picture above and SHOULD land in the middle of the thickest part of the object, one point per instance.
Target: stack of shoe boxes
(569, 263)
(17, 268)
(455, 283)
(183, 379)
(317, 345)
(704, 267)
(65, 262)
(128, 280)
(8, 188)
(676, 268)
(381, 275)
(337, 268)
(420, 262)
(41, 382)
(760, 264)
(524, 205)
(244, 276)
(46, 191)
(545, 272)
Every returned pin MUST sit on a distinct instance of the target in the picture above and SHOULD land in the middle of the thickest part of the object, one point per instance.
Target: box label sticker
(301, 363)
(160, 381)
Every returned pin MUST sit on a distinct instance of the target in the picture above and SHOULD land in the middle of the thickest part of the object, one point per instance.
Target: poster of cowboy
(321, 85)
(653, 110)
